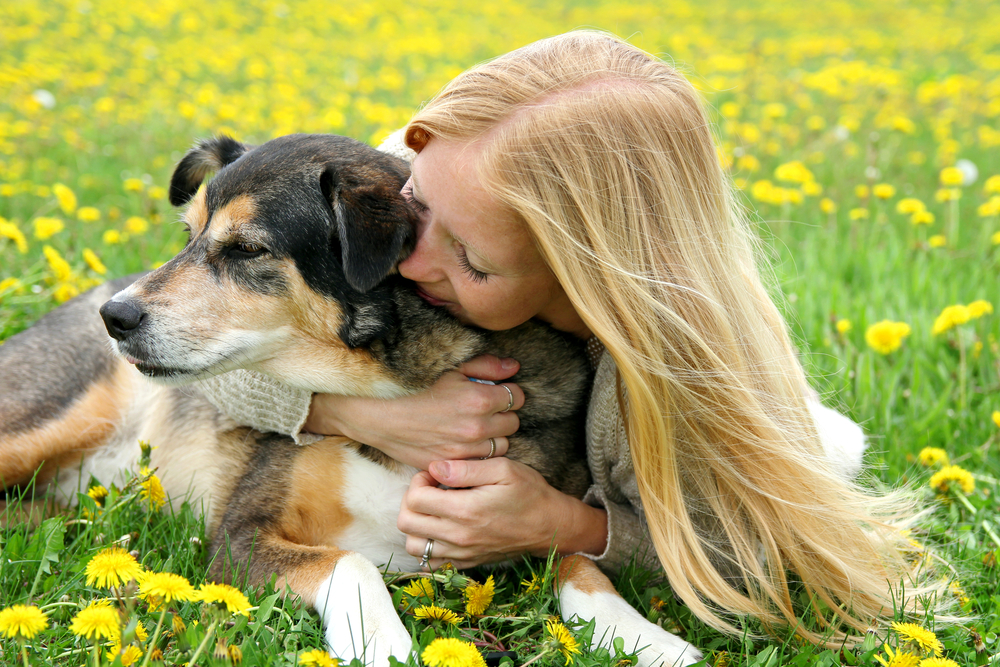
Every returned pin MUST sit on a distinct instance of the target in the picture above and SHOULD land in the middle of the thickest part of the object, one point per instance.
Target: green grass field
(865, 137)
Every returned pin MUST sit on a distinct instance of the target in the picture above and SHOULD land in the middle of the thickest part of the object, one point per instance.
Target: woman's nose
(420, 266)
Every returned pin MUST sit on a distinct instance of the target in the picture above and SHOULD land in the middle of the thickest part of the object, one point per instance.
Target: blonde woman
(576, 181)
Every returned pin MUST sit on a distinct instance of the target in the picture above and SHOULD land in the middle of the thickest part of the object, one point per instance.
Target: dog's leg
(585, 592)
(343, 586)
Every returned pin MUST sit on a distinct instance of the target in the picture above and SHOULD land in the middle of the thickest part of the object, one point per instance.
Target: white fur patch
(843, 440)
(616, 618)
(358, 614)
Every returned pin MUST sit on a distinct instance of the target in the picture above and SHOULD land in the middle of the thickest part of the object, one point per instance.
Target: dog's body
(288, 272)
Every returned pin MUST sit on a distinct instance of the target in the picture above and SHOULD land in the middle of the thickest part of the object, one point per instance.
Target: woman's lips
(430, 299)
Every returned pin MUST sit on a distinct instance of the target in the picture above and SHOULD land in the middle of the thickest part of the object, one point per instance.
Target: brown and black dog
(289, 271)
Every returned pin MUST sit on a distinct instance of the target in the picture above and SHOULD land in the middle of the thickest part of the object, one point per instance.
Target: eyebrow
(488, 265)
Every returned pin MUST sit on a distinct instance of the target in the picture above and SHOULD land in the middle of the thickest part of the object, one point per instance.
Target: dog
(289, 271)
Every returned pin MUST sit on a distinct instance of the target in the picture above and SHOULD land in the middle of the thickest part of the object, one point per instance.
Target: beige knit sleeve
(614, 485)
(255, 400)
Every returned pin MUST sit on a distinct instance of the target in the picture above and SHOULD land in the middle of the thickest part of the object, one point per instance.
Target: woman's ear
(208, 156)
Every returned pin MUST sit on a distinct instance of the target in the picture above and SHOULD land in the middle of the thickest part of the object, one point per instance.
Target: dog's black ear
(210, 155)
(375, 225)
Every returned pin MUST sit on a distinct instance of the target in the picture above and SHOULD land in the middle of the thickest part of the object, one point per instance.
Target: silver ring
(510, 398)
(425, 559)
(493, 450)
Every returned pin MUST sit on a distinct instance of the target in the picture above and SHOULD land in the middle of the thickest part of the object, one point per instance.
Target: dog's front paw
(358, 614)
(613, 617)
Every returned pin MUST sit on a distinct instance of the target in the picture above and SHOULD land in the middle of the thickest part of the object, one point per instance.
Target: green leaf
(47, 543)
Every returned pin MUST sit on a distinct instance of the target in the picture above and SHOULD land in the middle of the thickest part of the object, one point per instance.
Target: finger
(491, 450)
(489, 367)
(509, 395)
(470, 473)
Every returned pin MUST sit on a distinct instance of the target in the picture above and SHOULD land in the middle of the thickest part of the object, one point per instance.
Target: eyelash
(408, 196)
(474, 274)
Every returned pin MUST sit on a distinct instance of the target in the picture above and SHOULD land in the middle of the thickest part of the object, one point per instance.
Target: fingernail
(441, 469)
(508, 363)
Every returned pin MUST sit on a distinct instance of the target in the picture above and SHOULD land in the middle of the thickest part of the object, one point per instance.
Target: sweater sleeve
(255, 400)
(614, 487)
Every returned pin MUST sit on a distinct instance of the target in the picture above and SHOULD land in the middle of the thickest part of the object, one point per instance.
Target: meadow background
(865, 137)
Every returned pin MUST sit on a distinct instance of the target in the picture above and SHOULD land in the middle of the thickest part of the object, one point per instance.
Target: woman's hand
(453, 419)
(495, 510)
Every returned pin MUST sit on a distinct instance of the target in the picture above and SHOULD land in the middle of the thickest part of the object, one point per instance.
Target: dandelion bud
(221, 650)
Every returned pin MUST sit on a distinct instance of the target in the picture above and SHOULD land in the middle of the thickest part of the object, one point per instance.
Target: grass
(104, 97)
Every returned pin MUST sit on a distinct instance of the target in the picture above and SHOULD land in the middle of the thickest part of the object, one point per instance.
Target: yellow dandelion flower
(60, 267)
(909, 206)
(450, 652)
(156, 192)
(317, 657)
(898, 658)
(991, 185)
(843, 326)
(478, 597)
(951, 176)
(858, 214)
(995, 238)
(812, 189)
(134, 185)
(566, 643)
(827, 205)
(111, 237)
(937, 241)
(22, 621)
(419, 588)
(922, 218)
(152, 489)
(88, 214)
(532, 585)
(996, 417)
(46, 228)
(903, 124)
(9, 284)
(925, 639)
(747, 163)
(947, 194)
(938, 662)
(775, 110)
(979, 308)
(224, 595)
(434, 613)
(136, 225)
(166, 586)
(793, 172)
(943, 479)
(94, 262)
(884, 191)
(112, 567)
(66, 198)
(235, 654)
(64, 292)
(8, 230)
(950, 317)
(886, 336)
(129, 655)
(932, 456)
(861, 191)
(96, 620)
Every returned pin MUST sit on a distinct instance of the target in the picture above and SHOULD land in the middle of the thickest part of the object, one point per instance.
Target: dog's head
(289, 245)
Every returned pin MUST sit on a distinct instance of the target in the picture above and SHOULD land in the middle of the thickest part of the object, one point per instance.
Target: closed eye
(418, 206)
(474, 274)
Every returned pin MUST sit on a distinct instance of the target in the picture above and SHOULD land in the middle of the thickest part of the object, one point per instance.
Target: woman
(576, 181)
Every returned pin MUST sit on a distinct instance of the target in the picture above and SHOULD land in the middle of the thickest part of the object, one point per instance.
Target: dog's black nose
(121, 318)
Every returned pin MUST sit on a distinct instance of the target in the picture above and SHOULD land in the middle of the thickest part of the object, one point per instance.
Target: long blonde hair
(606, 154)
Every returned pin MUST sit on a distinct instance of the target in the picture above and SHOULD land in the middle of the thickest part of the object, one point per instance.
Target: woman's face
(472, 255)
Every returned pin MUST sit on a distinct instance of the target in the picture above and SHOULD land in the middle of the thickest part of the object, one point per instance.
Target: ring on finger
(493, 450)
(510, 398)
(425, 559)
